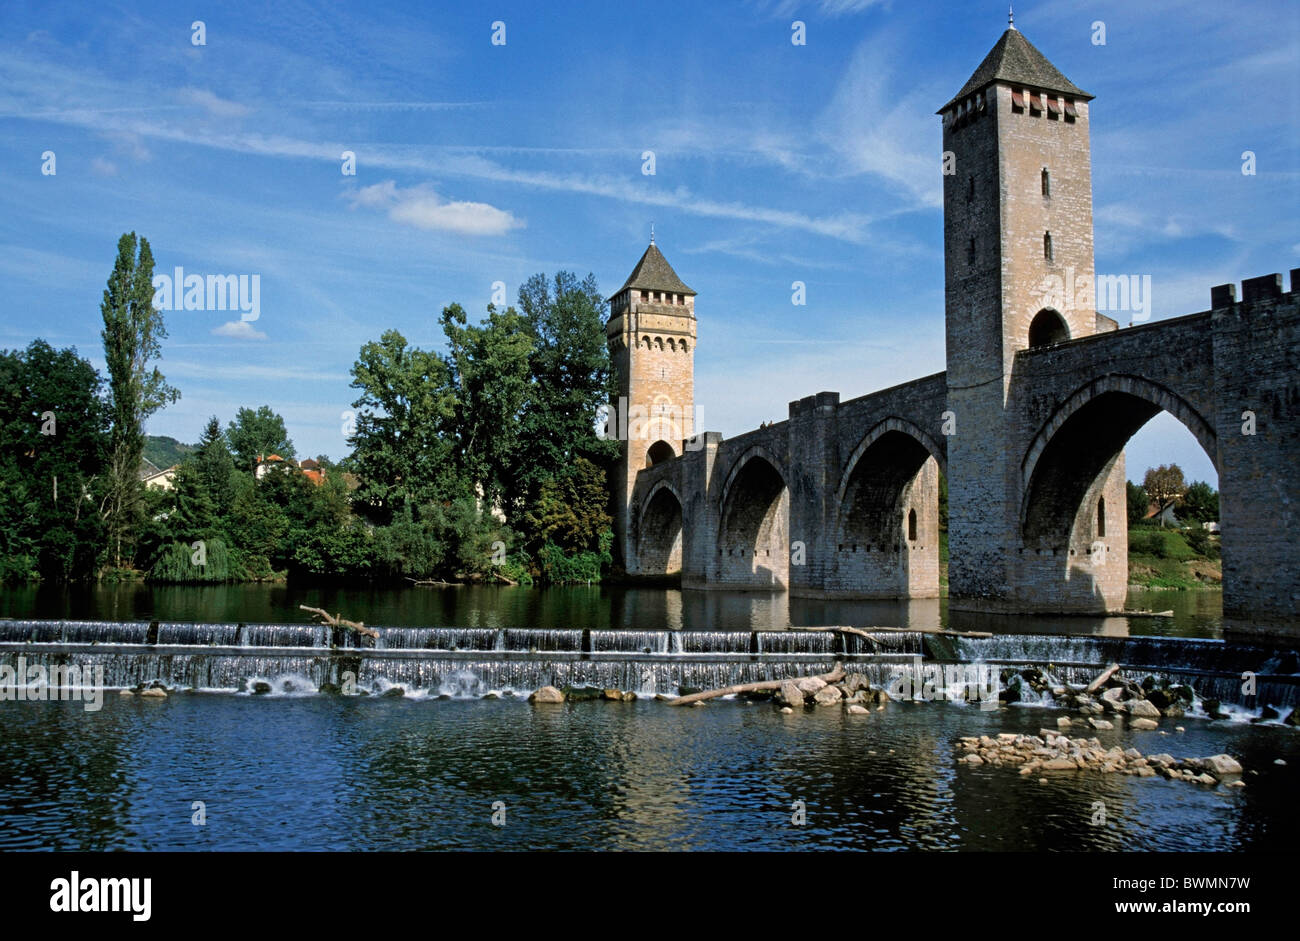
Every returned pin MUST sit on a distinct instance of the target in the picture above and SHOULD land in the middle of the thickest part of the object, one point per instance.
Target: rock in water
(547, 694)
(828, 696)
(614, 695)
(856, 710)
(1101, 723)
(154, 692)
(1221, 764)
(790, 694)
(1143, 709)
(786, 711)
(810, 684)
(1142, 725)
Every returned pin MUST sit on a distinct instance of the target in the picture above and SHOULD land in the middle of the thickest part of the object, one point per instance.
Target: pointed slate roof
(1014, 60)
(653, 273)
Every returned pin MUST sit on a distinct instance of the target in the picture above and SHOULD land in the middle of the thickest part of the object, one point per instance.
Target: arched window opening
(1047, 327)
(911, 525)
(1047, 245)
(1101, 517)
(659, 452)
(1047, 182)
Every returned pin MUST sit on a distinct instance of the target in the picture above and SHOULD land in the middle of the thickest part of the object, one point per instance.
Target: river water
(444, 768)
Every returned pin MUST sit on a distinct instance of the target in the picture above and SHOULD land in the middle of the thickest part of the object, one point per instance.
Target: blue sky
(479, 163)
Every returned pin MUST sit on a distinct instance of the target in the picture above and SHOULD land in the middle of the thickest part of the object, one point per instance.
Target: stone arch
(1157, 398)
(887, 514)
(1048, 327)
(1073, 546)
(659, 531)
(659, 452)
(754, 524)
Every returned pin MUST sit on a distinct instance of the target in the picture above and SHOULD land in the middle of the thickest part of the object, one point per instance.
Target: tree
(570, 511)
(1164, 484)
(216, 467)
(400, 448)
(1200, 503)
(133, 329)
(254, 434)
(570, 380)
(489, 369)
(53, 455)
(1139, 503)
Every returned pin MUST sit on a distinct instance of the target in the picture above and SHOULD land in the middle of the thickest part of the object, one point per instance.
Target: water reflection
(1196, 613)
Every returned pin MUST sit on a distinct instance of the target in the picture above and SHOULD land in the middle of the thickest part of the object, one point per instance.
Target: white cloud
(239, 330)
(215, 105)
(422, 208)
(103, 167)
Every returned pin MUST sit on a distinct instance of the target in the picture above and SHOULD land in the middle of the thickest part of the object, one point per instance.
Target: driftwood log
(832, 677)
(1102, 678)
(897, 630)
(337, 620)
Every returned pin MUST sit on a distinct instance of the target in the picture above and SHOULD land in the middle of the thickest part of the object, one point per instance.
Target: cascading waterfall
(436, 661)
(1212, 668)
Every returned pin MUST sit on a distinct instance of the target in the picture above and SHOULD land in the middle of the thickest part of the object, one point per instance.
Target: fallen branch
(898, 630)
(508, 581)
(426, 581)
(337, 620)
(1102, 678)
(834, 676)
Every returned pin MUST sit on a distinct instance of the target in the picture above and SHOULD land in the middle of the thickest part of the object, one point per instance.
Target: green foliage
(442, 540)
(1201, 542)
(400, 450)
(164, 452)
(53, 457)
(1160, 544)
(179, 563)
(570, 380)
(1138, 503)
(561, 568)
(489, 374)
(255, 434)
(1200, 503)
(571, 512)
(133, 331)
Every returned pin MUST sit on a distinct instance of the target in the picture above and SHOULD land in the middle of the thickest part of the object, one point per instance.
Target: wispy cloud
(239, 330)
(422, 208)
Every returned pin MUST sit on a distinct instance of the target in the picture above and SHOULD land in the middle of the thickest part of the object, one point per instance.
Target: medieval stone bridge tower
(1029, 421)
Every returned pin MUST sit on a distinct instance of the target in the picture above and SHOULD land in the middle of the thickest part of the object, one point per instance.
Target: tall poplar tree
(133, 329)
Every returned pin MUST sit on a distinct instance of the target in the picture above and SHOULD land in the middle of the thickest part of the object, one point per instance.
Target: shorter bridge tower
(651, 337)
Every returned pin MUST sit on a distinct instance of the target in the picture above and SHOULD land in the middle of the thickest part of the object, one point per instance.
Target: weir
(470, 662)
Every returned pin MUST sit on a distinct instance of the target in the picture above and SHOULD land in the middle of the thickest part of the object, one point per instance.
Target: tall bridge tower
(1018, 265)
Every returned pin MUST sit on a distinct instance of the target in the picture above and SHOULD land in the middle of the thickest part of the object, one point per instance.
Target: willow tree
(133, 329)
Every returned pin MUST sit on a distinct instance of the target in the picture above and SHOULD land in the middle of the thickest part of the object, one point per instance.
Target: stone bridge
(841, 499)
(1026, 427)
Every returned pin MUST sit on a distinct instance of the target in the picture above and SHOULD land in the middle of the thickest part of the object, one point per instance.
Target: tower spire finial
(652, 232)
(1011, 17)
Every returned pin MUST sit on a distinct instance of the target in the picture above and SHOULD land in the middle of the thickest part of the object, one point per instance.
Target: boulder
(614, 695)
(1221, 764)
(1143, 709)
(786, 710)
(1059, 764)
(1100, 723)
(154, 692)
(629, 696)
(810, 684)
(547, 694)
(789, 694)
(973, 759)
(1205, 779)
(260, 688)
(828, 696)
(1063, 722)
(125, 692)
(856, 710)
(589, 693)
(1142, 725)
(854, 682)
